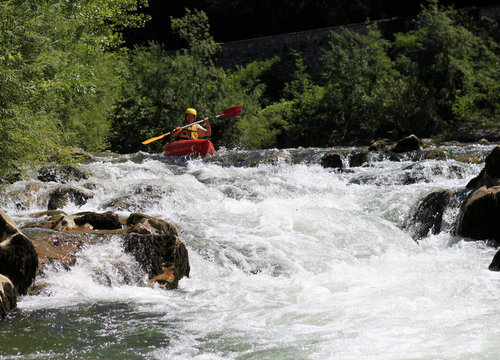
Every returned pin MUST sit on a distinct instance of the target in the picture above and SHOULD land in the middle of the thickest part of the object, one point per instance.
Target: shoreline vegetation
(68, 81)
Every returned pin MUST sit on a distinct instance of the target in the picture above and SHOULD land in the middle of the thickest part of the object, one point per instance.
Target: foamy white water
(287, 262)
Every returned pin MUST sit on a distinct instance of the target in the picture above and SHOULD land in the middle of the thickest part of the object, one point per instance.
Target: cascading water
(288, 261)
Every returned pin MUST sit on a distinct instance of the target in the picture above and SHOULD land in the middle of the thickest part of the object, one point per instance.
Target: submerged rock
(62, 174)
(64, 194)
(434, 154)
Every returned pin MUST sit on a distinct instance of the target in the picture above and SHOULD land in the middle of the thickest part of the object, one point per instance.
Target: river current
(288, 261)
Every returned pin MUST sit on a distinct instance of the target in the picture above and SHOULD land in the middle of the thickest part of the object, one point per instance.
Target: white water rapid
(288, 261)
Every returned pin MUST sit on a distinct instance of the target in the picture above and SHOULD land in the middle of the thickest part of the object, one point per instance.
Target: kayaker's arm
(178, 130)
(202, 132)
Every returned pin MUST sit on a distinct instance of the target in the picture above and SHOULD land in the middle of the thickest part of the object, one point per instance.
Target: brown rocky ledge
(57, 237)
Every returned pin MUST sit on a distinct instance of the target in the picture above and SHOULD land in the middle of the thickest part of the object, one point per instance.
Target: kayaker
(193, 132)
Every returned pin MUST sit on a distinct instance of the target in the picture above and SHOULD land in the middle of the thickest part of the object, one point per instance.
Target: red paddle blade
(231, 112)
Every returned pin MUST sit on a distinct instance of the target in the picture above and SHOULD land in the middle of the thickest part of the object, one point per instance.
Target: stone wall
(310, 43)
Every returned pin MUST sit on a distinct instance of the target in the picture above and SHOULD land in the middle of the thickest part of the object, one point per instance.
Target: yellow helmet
(191, 111)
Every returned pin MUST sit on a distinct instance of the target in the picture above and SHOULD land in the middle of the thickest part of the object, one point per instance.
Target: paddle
(228, 113)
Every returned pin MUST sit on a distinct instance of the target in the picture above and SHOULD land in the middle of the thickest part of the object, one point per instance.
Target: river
(288, 261)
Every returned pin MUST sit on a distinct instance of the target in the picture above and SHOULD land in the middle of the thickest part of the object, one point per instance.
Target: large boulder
(18, 257)
(8, 296)
(332, 160)
(359, 158)
(409, 143)
(155, 244)
(495, 263)
(480, 214)
(490, 175)
(429, 214)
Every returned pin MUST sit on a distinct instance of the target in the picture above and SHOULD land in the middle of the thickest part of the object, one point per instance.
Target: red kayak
(202, 147)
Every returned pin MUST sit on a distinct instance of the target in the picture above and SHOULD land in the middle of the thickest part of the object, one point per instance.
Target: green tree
(57, 75)
(454, 72)
(362, 86)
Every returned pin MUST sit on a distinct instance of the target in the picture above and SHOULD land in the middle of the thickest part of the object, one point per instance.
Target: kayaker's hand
(207, 123)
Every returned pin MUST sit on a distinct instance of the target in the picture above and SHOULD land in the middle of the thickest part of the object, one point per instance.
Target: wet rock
(18, 257)
(429, 214)
(62, 174)
(27, 197)
(471, 159)
(379, 145)
(57, 247)
(480, 214)
(495, 263)
(358, 158)
(153, 242)
(434, 154)
(155, 245)
(142, 198)
(80, 155)
(8, 296)
(332, 160)
(64, 194)
(409, 143)
(490, 175)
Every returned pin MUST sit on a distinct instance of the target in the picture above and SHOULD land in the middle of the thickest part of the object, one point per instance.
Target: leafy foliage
(159, 87)
(56, 76)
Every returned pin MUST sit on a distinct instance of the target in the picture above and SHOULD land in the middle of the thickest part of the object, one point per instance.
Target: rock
(155, 245)
(495, 263)
(406, 144)
(80, 155)
(490, 175)
(23, 199)
(358, 158)
(480, 215)
(8, 296)
(143, 198)
(429, 214)
(62, 174)
(471, 159)
(88, 221)
(379, 145)
(57, 247)
(434, 154)
(64, 194)
(153, 242)
(332, 160)
(18, 257)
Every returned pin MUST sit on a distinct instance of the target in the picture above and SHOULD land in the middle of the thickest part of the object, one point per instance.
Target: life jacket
(189, 133)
